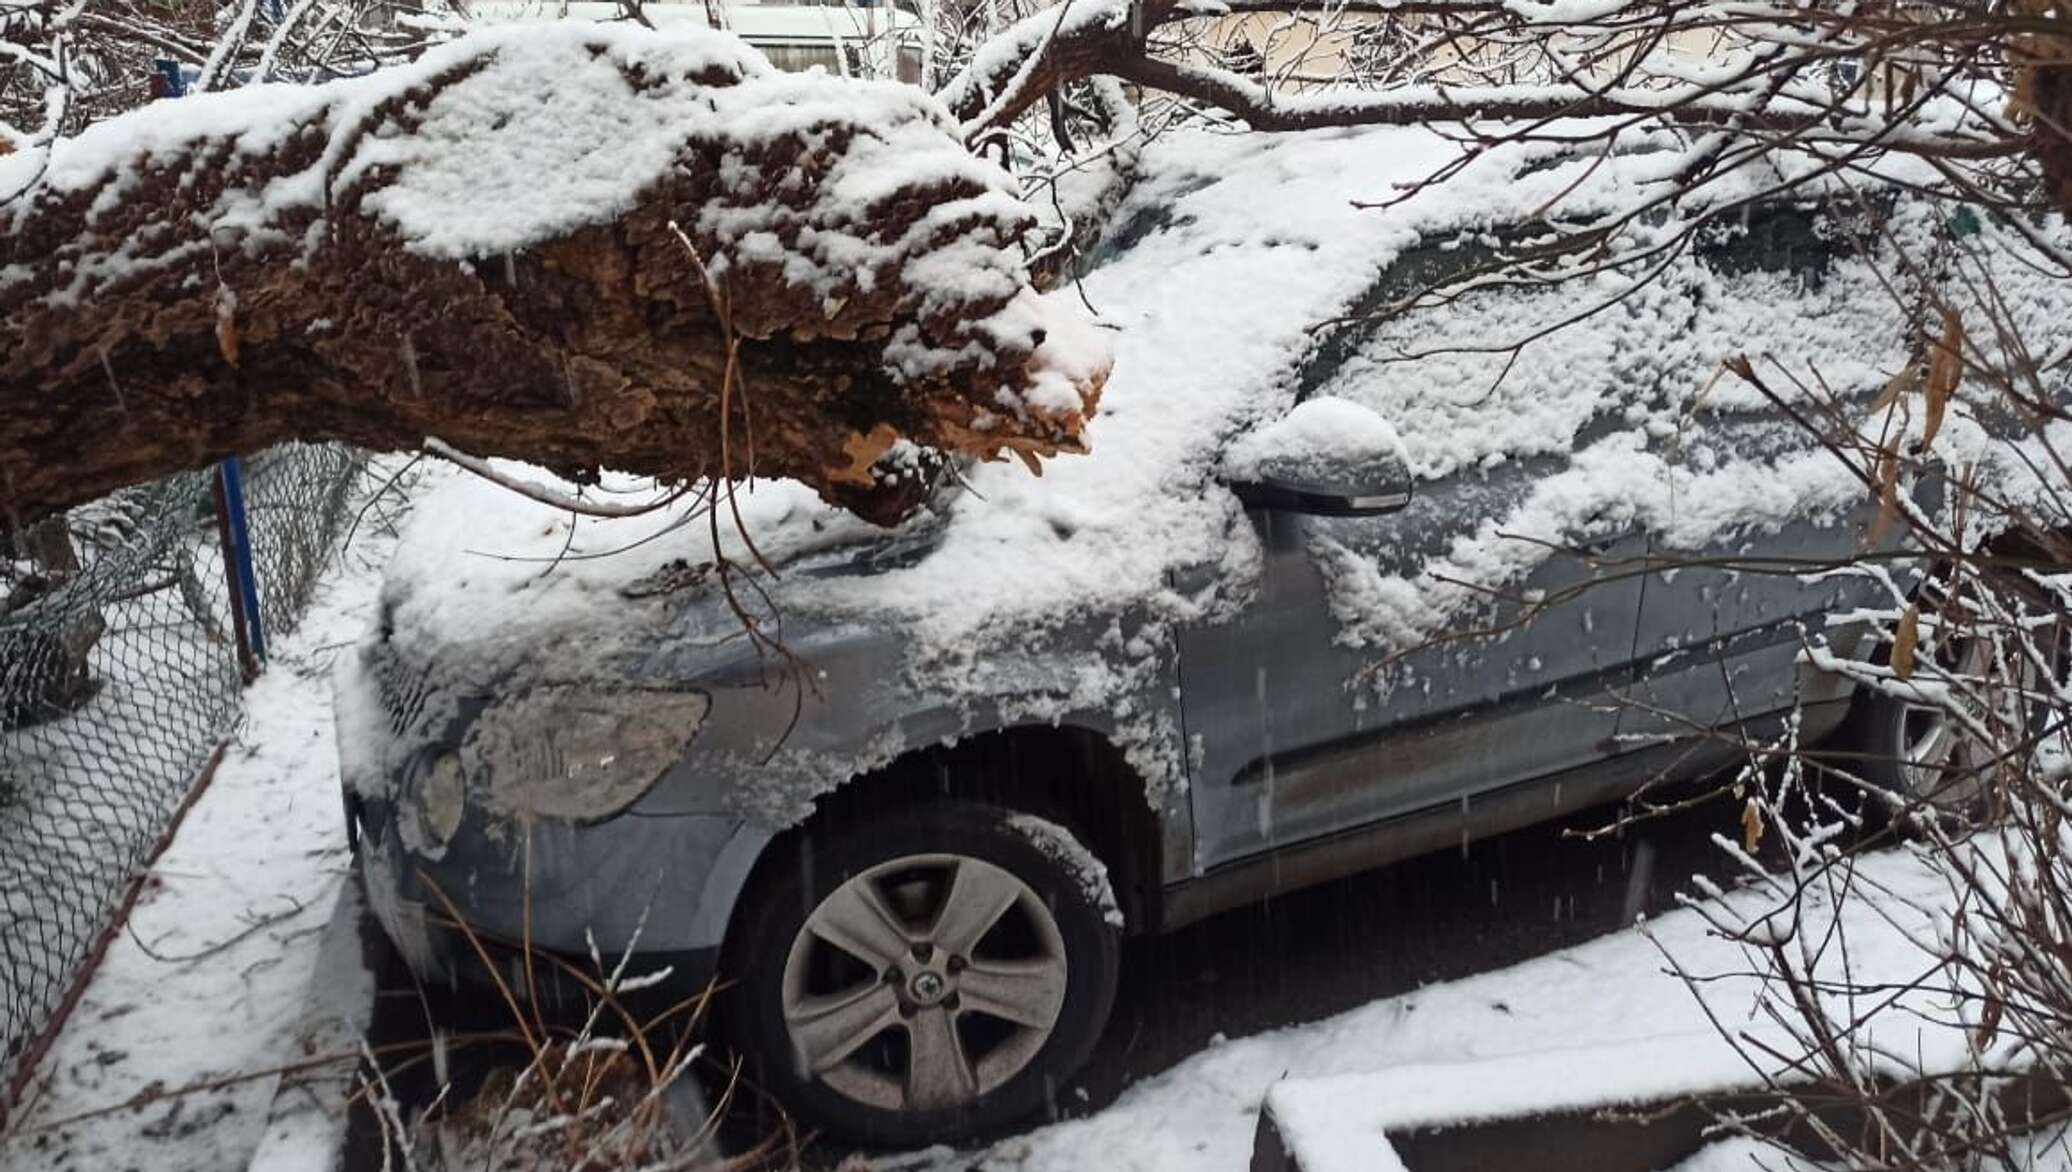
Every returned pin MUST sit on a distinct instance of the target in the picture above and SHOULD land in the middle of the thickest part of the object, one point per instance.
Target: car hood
(487, 578)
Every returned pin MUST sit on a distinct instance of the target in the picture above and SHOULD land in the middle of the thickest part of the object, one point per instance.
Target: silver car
(918, 891)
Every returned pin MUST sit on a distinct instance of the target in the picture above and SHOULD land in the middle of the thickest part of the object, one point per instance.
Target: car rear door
(1723, 622)
(1754, 515)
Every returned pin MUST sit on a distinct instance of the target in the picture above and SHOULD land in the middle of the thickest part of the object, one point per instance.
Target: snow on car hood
(1226, 257)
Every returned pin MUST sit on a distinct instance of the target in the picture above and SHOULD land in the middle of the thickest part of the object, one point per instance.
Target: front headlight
(442, 798)
(577, 753)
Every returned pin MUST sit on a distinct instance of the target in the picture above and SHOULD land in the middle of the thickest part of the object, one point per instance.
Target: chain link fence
(120, 669)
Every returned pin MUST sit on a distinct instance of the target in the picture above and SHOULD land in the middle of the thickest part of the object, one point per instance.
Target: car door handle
(1598, 547)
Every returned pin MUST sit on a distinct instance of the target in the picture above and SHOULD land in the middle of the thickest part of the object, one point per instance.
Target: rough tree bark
(2045, 89)
(480, 247)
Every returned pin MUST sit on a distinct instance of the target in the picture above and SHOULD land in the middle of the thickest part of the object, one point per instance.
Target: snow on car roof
(1228, 254)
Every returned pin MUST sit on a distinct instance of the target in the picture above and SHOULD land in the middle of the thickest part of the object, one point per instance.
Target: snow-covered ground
(210, 980)
(1611, 996)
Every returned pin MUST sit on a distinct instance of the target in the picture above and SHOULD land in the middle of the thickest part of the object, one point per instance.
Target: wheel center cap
(927, 987)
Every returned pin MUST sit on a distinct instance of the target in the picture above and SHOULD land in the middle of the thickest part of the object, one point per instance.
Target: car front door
(1304, 717)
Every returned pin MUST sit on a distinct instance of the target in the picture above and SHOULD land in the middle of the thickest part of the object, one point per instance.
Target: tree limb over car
(1948, 82)
(582, 246)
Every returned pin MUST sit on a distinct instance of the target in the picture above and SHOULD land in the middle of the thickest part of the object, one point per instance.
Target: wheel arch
(1068, 772)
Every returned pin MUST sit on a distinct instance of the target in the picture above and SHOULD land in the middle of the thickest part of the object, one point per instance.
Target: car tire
(1911, 751)
(914, 1030)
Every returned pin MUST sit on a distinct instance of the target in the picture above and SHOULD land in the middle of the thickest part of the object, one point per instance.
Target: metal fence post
(167, 81)
(234, 529)
(232, 525)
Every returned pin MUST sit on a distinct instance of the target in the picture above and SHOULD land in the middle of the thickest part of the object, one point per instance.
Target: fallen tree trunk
(483, 247)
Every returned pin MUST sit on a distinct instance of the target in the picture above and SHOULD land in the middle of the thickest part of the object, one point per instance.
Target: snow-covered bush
(1958, 751)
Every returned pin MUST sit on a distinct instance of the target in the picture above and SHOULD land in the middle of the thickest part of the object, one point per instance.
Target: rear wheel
(922, 977)
(1919, 750)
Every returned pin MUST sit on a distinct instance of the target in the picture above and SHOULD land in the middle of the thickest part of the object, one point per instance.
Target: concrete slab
(1504, 1111)
(1642, 1107)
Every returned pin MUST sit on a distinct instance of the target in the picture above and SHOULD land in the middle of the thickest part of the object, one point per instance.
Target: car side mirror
(1328, 457)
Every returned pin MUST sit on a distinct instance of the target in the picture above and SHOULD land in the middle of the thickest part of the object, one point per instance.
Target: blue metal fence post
(237, 563)
(169, 80)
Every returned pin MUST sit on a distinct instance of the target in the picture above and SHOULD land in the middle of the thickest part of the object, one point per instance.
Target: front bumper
(658, 889)
(419, 917)
(661, 877)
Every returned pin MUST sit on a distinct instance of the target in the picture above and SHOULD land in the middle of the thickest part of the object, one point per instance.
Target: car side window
(1800, 242)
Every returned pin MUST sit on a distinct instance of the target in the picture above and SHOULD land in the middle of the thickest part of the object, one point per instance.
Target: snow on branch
(1940, 82)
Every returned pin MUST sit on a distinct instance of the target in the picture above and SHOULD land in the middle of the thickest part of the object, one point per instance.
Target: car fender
(724, 884)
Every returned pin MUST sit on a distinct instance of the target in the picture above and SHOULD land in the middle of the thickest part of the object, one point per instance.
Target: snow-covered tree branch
(1968, 84)
(259, 263)
(482, 246)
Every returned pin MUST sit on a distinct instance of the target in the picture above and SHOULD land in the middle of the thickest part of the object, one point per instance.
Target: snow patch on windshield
(1629, 421)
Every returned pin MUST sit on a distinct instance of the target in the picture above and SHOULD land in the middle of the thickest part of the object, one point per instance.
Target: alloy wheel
(924, 982)
(1932, 766)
